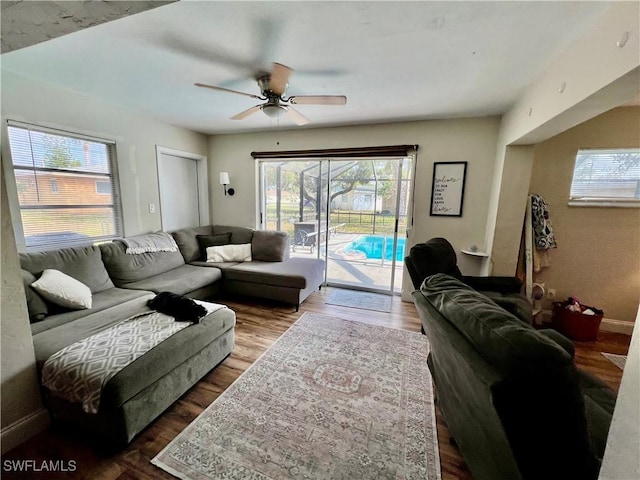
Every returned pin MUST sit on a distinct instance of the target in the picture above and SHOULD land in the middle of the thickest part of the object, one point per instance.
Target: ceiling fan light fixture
(273, 110)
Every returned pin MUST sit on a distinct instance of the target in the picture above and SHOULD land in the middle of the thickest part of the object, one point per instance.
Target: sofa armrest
(494, 284)
(270, 246)
(560, 339)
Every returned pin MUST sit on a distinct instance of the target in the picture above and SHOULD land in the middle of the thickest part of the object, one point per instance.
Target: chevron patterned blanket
(78, 372)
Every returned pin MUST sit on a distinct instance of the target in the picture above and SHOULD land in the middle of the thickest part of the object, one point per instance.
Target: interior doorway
(183, 189)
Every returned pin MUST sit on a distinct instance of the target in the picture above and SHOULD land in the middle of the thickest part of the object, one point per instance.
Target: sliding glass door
(350, 212)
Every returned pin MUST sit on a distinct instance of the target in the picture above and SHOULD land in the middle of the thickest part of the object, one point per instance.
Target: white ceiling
(393, 60)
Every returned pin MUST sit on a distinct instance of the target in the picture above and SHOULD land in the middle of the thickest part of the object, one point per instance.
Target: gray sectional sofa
(271, 274)
(121, 284)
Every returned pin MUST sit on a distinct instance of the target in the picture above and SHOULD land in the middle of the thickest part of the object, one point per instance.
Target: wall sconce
(224, 180)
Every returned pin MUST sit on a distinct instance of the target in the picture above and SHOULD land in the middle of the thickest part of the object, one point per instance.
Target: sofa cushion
(48, 342)
(206, 241)
(219, 265)
(294, 273)
(229, 253)
(36, 305)
(239, 235)
(182, 280)
(270, 246)
(510, 345)
(186, 239)
(82, 263)
(101, 301)
(166, 356)
(124, 268)
(63, 290)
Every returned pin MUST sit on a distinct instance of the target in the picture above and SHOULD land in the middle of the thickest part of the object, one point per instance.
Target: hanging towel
(542, 230)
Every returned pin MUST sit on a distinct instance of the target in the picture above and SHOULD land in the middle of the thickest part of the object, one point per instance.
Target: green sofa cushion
(239, 235)
(186, 239)
(181, 280)
(36, 305)
(148, 368)
(124, 268)
(294, 273)
(56, 337)
(270, 246)
(508, 344)
(101, 301)
(82, 263)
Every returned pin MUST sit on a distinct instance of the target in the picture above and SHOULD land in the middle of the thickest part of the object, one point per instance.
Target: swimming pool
(377, 246)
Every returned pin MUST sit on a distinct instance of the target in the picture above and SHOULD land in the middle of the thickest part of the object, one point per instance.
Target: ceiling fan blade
(279, 78)
(297, 116)
(228, 90)
(208, 53)
(318, 100)
(246, 113)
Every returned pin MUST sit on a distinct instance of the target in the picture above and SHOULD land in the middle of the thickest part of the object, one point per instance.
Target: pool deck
(354, 269)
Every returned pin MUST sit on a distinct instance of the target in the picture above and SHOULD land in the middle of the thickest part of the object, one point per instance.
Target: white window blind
(57, 174)
(610, 177)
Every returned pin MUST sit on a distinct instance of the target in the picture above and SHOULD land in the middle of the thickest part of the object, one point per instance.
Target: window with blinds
(67, 187)
(606, 177)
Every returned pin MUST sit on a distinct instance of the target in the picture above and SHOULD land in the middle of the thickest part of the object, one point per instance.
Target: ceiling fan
(273, 86)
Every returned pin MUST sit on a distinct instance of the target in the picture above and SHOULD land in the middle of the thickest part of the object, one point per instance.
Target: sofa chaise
(512, 397)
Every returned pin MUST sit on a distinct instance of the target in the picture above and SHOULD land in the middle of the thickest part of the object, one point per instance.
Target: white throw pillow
(63, 290)
(229, 253)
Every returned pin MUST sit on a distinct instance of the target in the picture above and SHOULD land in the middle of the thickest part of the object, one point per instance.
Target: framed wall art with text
(447, 189)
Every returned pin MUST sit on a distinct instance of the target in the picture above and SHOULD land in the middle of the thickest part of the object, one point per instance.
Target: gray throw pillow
(206, 241)
(36, 305)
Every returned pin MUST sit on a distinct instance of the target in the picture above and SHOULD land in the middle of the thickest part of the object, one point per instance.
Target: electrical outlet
(152, 208)
(551, 294)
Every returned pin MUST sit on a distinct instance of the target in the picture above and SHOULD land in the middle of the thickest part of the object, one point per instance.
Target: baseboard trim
(23, 429)
(607, 324)
(617, 326)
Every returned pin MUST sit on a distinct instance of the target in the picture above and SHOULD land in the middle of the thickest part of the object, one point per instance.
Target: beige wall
(136, 137)
(472, 140)
(21, 413)
(598, 254)
(590, 77)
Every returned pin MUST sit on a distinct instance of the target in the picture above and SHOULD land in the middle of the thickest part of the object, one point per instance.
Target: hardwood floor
(259, 324)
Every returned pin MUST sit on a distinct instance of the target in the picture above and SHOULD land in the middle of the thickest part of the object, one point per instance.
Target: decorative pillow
(206, 241)
(63, 290)
(229, 253)
(35, 303)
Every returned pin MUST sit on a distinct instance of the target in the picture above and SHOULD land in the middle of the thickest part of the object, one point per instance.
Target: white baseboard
(617, 326)
(22, 430)
(607, 324)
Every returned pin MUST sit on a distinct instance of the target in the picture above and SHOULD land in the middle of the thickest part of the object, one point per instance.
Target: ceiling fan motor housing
(264, 83)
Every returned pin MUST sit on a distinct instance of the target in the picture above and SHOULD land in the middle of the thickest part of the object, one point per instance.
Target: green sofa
(141, 391)
(271, 274)
(514, 401)
(121, 284)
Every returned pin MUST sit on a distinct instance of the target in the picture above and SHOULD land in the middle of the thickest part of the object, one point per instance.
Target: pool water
(377, 247)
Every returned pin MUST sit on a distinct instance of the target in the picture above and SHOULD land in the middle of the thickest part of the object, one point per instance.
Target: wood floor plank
(259, 325)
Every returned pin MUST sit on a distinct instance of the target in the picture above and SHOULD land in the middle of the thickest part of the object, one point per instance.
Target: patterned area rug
(356, 299)
(618, 360)
(331, 399)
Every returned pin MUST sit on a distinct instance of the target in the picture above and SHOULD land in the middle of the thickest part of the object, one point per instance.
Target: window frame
(595, 201)
(98, 192)
(112, 176)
